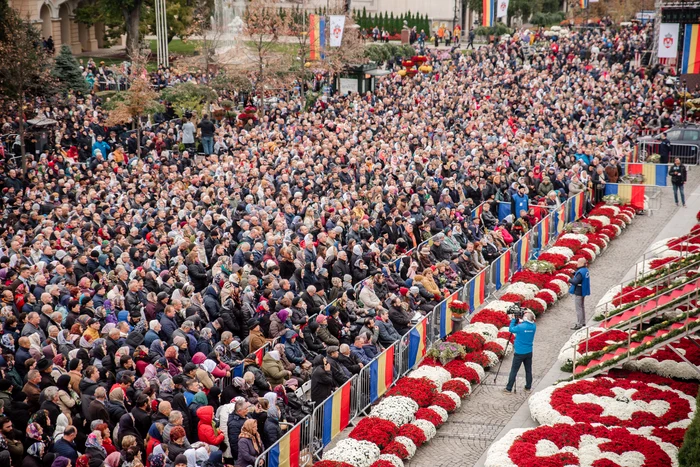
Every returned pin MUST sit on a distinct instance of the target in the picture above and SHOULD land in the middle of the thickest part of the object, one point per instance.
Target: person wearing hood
(279, 324)
(134, 339)
(273, 369)
(204, 372)
(212, 301)
(206, 428)
(311, 339)
(115, 406)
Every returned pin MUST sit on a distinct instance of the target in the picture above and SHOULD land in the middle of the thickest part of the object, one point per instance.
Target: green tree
(67, 72)
(26, 69)
(188, 97)
(392, 23)
(689, 453)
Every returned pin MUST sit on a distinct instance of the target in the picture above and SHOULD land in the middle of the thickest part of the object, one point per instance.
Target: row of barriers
(307, 440)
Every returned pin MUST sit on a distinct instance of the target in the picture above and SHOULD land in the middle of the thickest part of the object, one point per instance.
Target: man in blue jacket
(524, 338)
(519, 202)
(580, 288)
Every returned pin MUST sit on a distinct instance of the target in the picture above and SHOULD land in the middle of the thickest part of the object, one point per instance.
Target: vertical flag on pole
(583, 3)
(476, 212)
(317, 36)
(336, 413)
(381, 374)
(286, 452)
(417, 342)
(690, 62)
(502, 269)
(337, 26)
(477, 288)
(502, 11)
(488, 17)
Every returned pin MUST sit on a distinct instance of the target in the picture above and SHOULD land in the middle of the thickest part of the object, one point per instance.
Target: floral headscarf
(94, 442)
(8, 342)
(156, 460)
(36, 450)
(34, 431)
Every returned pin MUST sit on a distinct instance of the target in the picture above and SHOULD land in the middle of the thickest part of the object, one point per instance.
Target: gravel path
(470, 431)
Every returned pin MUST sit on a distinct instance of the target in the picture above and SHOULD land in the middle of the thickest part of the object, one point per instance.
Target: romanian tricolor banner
(577, 207)
(445, 318)
(501, 269)
(381, 374)
(476, 212)
(690, 63)
(560, 220)
(477, 291)
(336, 412)
(522, 249)
(583, 3)
(418, 341)
(654, 174)
(543, 229)
(286, 452)
(317, 36)
(632, 194)
(488, 17)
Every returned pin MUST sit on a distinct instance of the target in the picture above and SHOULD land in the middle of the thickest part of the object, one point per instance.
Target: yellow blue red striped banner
(477, 290)
(381, 374)
(522, 248)
(543, 229)
(445, 318)
(632, 194)
(417, 342)
(336, 413)
(286, 452)
(690, 63)
(502, 269)
(654, 174)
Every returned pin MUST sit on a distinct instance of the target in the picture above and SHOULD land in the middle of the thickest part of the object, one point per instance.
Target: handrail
(665, 279)
(643, 313)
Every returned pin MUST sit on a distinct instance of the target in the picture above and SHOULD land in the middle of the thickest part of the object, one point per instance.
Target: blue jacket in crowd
(581, 282)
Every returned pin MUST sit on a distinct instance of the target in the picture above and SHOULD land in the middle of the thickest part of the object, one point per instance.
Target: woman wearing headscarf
(113, 460)
(166, 388)
(214, 397)
(35, 455)
(272, 431)
(174, 367)
(94, 449)
(156, 350)
(273, 368)
(7, 342)
(154, 438)
(67, 398)
(204, 374)
(126, 427)
(115, 406)
(103, 428)
(238, 388)
(250, 445)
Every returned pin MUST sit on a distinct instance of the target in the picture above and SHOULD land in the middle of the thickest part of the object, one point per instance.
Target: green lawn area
(178, 46)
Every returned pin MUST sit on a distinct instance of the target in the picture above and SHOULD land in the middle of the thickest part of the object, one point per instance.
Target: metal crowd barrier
(687, 153)
(306, 439)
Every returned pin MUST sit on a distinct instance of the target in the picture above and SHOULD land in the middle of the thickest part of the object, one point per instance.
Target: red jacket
(205, 429)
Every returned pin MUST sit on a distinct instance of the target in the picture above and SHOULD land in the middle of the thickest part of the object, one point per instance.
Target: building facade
(56, 19)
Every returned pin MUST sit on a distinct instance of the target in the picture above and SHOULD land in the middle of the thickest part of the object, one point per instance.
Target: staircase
(658, 336)
(643, 312)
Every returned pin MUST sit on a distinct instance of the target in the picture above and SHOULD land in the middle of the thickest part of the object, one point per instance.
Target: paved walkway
(488, 414)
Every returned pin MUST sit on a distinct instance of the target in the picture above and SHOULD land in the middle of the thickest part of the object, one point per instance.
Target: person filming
(524, 332)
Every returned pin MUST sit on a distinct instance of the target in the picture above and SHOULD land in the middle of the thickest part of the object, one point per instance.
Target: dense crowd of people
(133, 285)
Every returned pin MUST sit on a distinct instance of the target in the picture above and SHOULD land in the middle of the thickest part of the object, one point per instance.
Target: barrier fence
(354, 398)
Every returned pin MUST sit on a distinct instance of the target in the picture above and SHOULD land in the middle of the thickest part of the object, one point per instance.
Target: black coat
(233, 426)
(198, 276)
(322, 384)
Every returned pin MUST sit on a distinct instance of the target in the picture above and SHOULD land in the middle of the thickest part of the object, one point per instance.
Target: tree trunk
(23, 150)
(132, 18)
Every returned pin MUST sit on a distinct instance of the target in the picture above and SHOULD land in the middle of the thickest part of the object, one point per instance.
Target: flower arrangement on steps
(631, 419)
(544, 281)
(417, 405)
(412, 411)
